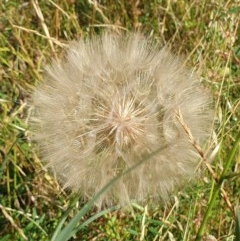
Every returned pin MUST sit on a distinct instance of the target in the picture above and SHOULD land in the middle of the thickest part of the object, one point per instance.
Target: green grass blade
(70, 229)
(94, 217)
(237, 230)
(60, 224)
(63, 219)
(216, 191)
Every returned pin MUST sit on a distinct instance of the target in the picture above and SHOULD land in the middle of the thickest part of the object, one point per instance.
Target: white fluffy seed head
(109, 103)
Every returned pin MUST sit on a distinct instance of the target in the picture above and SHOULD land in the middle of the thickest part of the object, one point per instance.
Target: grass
(206, 32)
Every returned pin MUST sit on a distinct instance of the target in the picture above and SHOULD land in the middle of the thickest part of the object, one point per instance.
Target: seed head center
(125, 122)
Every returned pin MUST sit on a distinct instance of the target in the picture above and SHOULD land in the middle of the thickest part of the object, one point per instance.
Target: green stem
(217, 188)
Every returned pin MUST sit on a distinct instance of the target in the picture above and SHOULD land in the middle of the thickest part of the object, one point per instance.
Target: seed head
(111, 102)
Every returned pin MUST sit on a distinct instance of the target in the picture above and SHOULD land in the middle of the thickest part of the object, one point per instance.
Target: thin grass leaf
(70, 229)
(216, 191)
(94, 217)
(237, 230)
(63, 219)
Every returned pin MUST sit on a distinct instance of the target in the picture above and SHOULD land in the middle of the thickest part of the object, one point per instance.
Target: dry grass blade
(195, 144)
(203, 157)
(53, 40)
(10, 219)
(44, 26)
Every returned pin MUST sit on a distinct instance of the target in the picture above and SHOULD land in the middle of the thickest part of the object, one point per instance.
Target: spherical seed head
(111, 102)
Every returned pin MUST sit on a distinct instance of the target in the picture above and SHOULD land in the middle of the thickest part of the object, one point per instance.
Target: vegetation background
(206, 32)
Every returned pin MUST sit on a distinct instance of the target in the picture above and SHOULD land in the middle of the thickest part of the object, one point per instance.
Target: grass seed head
(109, 103)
